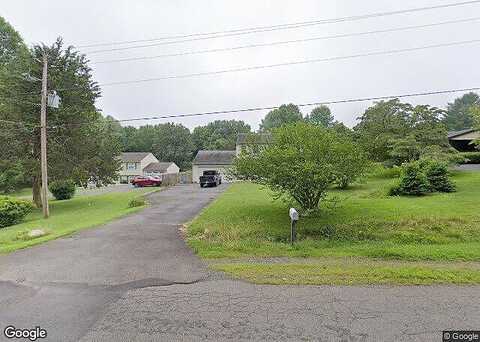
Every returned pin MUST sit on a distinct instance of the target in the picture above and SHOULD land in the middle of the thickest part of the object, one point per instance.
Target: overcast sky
(87, 22)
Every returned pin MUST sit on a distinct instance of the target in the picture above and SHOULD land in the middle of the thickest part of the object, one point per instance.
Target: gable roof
(133, 156)
(204, 157)
(254, 138)
(454, 134)
(160, 167)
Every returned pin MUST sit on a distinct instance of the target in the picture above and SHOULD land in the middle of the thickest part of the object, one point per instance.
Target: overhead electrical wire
(317, 103)
(355, 34)
(256, 109)
(269, 66)
(259, 29)
(307, 61)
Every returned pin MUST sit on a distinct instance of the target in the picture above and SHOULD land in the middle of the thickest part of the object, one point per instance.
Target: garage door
(197, 171)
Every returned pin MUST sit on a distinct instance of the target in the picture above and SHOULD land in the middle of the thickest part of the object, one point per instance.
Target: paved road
(135, 280)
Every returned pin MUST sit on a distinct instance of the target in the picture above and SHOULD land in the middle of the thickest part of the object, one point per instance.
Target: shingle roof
(133, 156)
(254, 138)
(160, 167)
(454, 134)
(214, 157)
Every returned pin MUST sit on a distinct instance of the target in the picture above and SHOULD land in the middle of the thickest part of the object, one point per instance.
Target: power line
(317, 103)
(307, 61)
(269, 66)
(243, 31)
(290, 41)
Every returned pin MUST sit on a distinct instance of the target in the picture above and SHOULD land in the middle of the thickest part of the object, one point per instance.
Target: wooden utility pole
(43, 139)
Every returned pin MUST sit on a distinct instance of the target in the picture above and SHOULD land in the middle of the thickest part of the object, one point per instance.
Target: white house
(143, 164)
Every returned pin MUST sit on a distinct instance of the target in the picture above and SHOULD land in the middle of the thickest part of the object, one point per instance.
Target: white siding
(129, 174)
(197, 171)
(173, 168)
(150, 158)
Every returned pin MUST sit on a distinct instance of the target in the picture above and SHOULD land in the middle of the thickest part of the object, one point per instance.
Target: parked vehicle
(210, 177)
(140, 181)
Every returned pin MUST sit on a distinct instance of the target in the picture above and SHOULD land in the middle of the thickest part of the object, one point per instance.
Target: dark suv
(210, 177)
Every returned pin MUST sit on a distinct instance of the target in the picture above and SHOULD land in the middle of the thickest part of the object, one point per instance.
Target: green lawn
(352, 274)
(365, 222)
(69, 216)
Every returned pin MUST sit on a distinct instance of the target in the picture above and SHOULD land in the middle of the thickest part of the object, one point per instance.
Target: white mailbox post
(293, 218)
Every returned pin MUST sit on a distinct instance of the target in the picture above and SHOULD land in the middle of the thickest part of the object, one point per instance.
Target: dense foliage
(320, 115)
(459, 115)
(62, 189)
(169, 142)
(470, 157)
(396, 132)
(280, 116)
(352, 165)
(302, 161)
(421, 177)
(413, 181)
(13, 211)
(218, 135)
(437, 176)
(82, 145)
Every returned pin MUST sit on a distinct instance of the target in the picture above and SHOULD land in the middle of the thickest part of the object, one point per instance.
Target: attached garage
(211, 160)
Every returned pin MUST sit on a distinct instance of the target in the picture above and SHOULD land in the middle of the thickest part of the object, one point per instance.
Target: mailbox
(293, 218)
(293, 214)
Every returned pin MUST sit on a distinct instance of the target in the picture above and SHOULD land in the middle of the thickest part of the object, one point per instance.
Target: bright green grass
(244, 221)
(69, 216)
(318, 274)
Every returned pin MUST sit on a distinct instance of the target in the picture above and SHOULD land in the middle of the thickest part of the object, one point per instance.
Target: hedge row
(471, 157)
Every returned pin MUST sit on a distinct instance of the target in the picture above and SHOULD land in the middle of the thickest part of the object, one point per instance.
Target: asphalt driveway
(134, 279)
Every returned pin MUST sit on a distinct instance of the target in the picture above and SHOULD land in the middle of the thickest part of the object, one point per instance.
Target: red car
(140, 181)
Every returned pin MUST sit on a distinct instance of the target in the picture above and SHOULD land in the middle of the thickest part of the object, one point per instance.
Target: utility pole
(43, 139)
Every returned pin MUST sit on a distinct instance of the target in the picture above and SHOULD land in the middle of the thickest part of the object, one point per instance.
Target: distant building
(160, 168)
(220, 161)
(143, 164)
(211, 160)
(463, 140)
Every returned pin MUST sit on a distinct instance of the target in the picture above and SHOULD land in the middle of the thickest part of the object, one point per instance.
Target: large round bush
(62, 189)
(13, 211)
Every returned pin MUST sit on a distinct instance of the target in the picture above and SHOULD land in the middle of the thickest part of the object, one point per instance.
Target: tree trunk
(37, 199)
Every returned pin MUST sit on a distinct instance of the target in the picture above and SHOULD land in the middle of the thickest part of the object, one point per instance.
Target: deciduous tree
(282, 115)
(218, 135)
(459, 115)
(301, 162)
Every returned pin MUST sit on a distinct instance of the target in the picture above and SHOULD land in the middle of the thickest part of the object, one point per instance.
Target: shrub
(471, 157)
(413, 181)
(352, 164)
(301, 162)
(437, 176)
(62, 189)
(13, 211)
(137, 202)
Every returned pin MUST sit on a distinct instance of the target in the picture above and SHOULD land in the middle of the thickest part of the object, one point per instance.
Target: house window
(131, 166)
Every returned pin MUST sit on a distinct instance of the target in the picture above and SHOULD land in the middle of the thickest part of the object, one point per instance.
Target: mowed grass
(313, 274)
(359, 222)
(67, 217)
